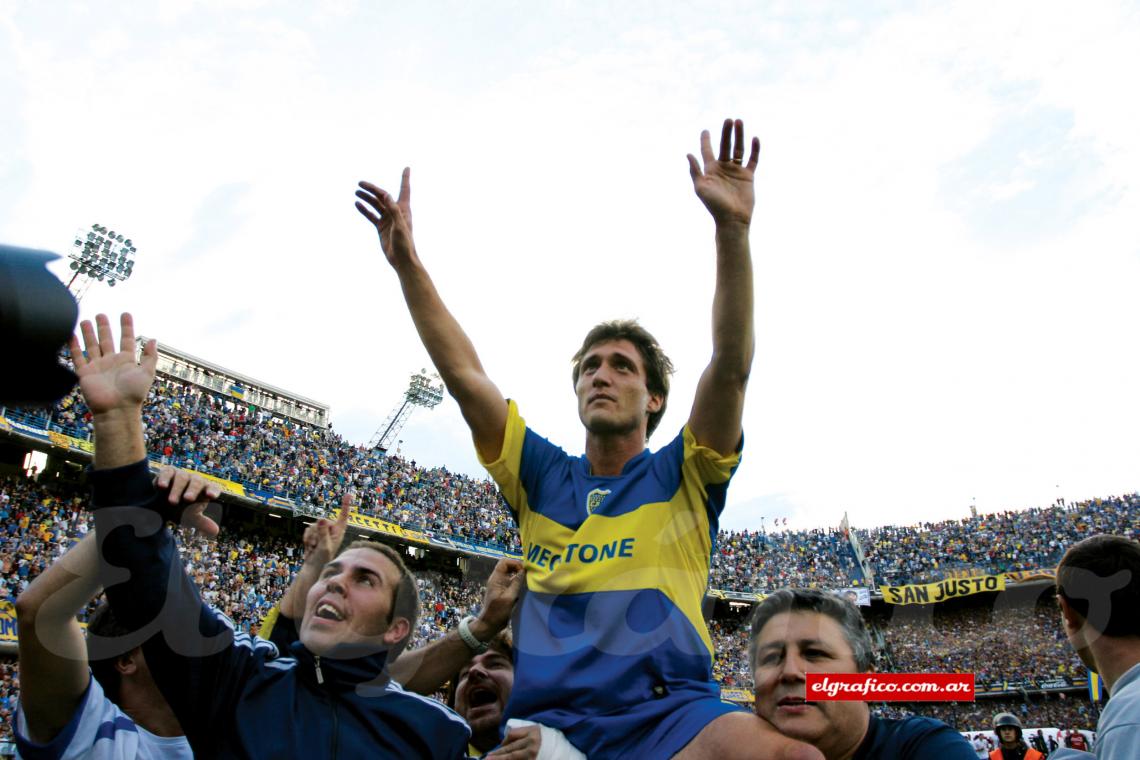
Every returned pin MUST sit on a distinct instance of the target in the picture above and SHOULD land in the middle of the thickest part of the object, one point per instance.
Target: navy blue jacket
(233, 694)
(913, 738)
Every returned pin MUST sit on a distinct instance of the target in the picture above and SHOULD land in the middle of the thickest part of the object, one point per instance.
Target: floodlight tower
(100, 254)
(423, 390)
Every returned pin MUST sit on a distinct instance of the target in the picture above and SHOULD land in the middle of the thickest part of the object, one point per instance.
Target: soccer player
(611, 647)
(800, 631)
(233, 695)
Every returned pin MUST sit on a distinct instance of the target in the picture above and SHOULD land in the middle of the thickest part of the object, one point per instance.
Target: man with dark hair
(72, 688)
(233, 695)
(800, 631)
(658, 367)
(1098, 590)
(611, 647)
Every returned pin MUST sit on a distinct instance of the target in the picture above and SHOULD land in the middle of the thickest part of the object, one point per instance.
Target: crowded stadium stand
(254, 393)
(960, 595)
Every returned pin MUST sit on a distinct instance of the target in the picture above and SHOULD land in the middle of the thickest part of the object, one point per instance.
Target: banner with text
(383, 526)
(931, 593)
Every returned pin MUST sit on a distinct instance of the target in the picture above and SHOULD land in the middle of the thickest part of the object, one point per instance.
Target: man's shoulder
(915, 737)
(422, 716)
(415, 707)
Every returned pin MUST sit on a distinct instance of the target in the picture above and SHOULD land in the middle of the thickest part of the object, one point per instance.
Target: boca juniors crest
(595, 498)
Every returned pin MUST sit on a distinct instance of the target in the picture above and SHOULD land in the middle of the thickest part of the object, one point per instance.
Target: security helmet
(1003, 720)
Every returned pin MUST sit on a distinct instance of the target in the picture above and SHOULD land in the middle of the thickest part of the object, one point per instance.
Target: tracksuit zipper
(332, 704)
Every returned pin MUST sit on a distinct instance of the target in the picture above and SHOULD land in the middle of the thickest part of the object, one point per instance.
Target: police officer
(1012, 746)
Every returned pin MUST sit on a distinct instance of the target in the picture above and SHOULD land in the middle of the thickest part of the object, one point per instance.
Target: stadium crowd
(995, 543)
(972, 639)
(1058, 711)
(244, 574)
(199, 429)
(978, 640)
(759, 562)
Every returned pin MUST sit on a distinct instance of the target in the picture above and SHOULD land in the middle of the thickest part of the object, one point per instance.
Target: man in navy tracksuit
(234, 695)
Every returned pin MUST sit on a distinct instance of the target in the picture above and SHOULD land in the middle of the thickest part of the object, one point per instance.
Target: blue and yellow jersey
(617, 568)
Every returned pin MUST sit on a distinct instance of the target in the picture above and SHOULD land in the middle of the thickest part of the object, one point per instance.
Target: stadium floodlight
(101, 255)
(424, 390)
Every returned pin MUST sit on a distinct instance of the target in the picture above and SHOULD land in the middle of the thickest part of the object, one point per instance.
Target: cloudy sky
(946, 244)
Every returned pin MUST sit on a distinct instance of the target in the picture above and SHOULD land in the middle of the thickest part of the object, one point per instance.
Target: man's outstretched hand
(192, 491)
(322, 539)
(499, 598)
(724, 184)
(391, 217)
(111, 380)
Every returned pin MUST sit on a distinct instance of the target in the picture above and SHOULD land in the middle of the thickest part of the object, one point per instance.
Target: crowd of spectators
(1056, 710)
(1023, 643)
(37, 524)
(9, 689)
(997, 646)
(190, 426)
(1029, 539)
(761, 562)
(245, 571)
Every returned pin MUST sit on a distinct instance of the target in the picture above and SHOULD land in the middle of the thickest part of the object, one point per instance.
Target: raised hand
(323, 538)
(112, 380)
(392, 218)
(503, 589)
(725, 183)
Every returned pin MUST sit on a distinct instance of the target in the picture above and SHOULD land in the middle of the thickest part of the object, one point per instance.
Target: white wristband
(474, 644)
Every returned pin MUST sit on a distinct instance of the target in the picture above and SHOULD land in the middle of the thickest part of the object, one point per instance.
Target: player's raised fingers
(706, 148)
(406, 185)
(367, 214)
(77, 357)
(106, 337)
(738, 141)
(150, 356)
(127, 330)
(90, 342)
(694, 167)
(725, 141)
(370, 188)
(754, 155)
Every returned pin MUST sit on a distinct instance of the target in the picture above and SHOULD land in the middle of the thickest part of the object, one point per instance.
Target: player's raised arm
(724, 184)
(480, 401)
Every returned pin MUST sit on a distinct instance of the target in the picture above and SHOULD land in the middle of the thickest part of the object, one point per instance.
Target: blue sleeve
(189, 648)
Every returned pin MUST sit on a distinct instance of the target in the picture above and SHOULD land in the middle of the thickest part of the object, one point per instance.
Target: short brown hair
(658, 367)
(1104, 569)
(406, 597)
